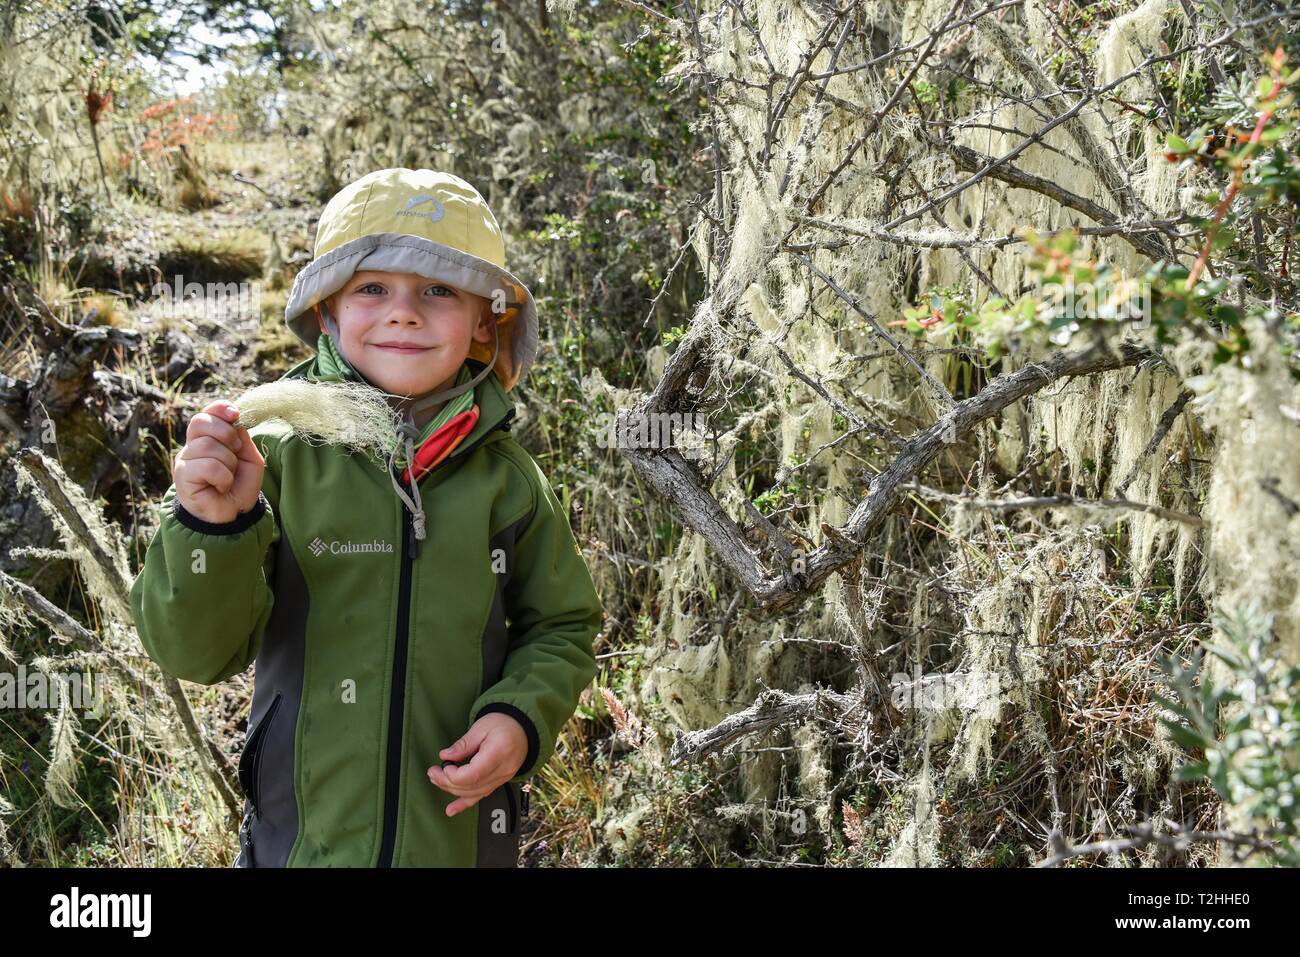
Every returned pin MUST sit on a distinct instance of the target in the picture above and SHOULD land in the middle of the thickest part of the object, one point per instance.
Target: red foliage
(171, 124)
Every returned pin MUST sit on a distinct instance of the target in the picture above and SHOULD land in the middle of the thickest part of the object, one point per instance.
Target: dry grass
(229, 255)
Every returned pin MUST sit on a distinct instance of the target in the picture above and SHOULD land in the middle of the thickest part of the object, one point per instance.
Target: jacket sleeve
(554, 614)
(203, 596)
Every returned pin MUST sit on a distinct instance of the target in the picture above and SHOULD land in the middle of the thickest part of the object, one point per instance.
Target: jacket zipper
(392, 778)
(398, 696)
(251, 781)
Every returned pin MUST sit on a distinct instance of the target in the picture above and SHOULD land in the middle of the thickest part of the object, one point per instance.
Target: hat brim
(402, 252)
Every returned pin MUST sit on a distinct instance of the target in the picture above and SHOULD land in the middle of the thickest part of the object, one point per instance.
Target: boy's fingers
(463, 801)
(206, 471)
(438, 776)
(461, 804)
(482, 761)
(206, 447)
(465, 746)
(248, 450)
(469, 775)
(206, 423)
(224, 411)
(466, 779)
(223, 408)
(455, 752)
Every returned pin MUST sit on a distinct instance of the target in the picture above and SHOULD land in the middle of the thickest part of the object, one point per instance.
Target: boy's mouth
(401, 348)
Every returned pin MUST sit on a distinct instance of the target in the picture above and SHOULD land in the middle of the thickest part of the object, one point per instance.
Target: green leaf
(1274, 133)
(1219, 778)
(1193, 771)
(1188, 738)
(1224, 238)
(1226, 654)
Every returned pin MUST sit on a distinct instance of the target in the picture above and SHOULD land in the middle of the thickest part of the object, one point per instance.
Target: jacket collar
(495, 408)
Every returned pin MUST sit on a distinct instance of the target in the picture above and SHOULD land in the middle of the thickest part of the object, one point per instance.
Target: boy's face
(376, 311)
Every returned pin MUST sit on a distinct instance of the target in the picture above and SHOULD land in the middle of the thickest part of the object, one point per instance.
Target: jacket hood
(430, 223)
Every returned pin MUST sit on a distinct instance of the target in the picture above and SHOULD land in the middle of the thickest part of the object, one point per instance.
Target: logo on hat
(409, 208)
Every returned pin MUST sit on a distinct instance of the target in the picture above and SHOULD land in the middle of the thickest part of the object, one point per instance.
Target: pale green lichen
(350, 414)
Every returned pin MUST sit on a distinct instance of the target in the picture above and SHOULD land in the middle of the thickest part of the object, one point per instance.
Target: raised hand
(218, 472)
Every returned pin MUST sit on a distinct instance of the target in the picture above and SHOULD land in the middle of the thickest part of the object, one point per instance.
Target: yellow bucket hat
(425, 222)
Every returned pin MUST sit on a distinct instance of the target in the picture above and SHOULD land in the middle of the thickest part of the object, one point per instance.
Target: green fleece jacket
(373, 654)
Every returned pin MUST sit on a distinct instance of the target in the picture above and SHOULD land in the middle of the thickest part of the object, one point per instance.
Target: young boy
(422, 636)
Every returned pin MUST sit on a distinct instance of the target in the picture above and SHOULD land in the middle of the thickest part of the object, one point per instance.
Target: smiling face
(407, 334)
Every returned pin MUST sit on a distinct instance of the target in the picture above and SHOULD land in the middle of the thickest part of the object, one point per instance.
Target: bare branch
(1162, 429)
(1054, 501)
(771, 710)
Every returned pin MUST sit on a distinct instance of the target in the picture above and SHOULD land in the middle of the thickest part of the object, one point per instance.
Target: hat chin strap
(430, 400)
(421, 404)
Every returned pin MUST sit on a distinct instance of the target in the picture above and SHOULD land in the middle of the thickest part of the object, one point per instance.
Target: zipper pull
(246, 839)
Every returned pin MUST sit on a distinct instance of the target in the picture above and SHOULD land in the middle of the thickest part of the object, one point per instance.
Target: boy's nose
(403, 308)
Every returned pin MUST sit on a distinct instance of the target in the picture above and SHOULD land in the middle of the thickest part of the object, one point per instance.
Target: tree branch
(678, 482)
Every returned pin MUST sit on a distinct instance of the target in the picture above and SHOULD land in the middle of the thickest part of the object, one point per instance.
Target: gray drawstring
(406, 429)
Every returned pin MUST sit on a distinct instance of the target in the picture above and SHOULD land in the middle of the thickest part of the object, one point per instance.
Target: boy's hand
(497, 745)
(218, 472)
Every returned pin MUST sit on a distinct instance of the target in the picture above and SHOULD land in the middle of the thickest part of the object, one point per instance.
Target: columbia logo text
(319, 547)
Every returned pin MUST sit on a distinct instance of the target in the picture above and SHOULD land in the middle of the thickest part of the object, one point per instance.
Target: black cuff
(239, 523)
(530, 729)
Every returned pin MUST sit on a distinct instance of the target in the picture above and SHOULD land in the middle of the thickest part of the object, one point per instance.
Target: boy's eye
(374, 285)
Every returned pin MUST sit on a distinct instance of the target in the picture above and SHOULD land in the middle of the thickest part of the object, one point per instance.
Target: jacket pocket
(250, 762)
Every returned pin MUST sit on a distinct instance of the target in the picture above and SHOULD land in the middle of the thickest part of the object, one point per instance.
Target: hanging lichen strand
(998, 626)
